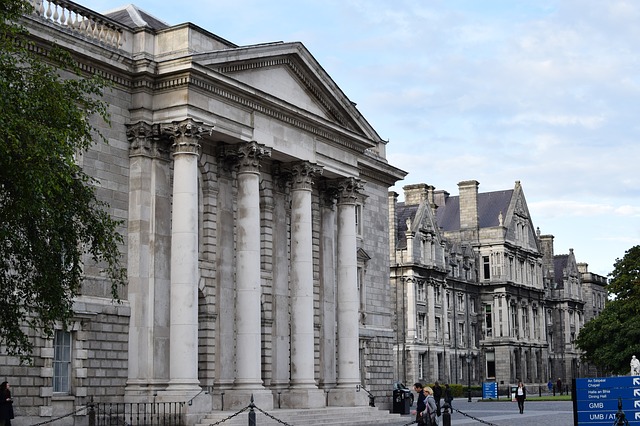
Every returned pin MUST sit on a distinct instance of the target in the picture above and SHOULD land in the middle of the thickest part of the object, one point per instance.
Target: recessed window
(62, 361)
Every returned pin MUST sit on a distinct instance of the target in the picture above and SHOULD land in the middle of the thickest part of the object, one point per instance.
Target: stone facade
(479, 294)
(254, 200)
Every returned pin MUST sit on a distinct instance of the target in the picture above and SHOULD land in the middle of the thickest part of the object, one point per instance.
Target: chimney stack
(468, 204)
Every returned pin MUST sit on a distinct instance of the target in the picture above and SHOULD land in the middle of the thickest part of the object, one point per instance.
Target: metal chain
(473, 418)
(61, 417)
(230, 417)
(269, 415)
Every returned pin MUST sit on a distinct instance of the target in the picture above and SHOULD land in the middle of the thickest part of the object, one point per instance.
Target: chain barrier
(61, 417)
(270, 416)
(472, 417)
(230, 417)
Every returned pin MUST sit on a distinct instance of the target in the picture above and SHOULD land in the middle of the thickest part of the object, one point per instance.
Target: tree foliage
(610, 339)
(50, 217)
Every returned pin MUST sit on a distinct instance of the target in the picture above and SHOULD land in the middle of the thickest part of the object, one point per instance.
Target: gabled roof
(490, 205)
(133, 17)
(287, 70)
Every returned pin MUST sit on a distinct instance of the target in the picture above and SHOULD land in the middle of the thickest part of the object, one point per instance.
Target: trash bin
(402, 399)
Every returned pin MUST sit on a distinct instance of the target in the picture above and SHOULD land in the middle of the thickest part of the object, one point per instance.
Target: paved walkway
(557, 413)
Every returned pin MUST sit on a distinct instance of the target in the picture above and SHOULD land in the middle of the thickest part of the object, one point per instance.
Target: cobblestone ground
(506, 413)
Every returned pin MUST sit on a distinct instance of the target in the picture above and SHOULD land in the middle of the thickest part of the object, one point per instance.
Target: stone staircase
(329, 416)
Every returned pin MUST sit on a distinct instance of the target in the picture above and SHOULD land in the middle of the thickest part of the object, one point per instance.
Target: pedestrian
(420, 405)
(437, 395)
(6, 405)
(428, 415)
(550, 385)
(559, 385)
(448, 396)
(521, 395)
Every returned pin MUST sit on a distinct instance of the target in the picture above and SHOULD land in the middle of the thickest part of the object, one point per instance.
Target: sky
(545, 92)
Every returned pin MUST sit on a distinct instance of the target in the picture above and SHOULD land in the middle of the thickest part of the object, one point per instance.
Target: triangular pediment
(288, 72)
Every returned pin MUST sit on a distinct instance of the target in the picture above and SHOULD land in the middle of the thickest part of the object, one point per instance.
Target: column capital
(145, 140)
(185, 135)
(303, 173)
(248, 156)
(349, 189)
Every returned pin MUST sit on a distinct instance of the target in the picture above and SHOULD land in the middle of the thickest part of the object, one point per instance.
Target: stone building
(479, 294)
(254, 197)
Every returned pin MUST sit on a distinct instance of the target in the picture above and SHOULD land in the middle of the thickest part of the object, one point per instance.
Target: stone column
(412, 329)
(348, 301)
(305, 392)
(328, 300)
(149, 236)
(183, 367)
(248, 307)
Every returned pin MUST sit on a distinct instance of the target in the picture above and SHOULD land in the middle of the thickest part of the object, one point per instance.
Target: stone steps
(334, 416)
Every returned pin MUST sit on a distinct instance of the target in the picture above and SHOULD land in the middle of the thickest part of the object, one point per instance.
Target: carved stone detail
(186, 135)
(248, 156)
(303, 173)
(349, 189)
(145, 140)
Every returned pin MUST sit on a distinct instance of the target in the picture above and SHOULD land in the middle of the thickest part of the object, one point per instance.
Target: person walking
(420, 405)
(428, 415)
(437, 395)
(559, 386)
(448, 396)
(521, 395)
(550, 385)
(6, 404)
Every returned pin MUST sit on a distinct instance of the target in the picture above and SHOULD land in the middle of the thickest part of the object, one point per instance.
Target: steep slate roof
(559, 264)
(404, 212)
(132, 17)
(490, 204)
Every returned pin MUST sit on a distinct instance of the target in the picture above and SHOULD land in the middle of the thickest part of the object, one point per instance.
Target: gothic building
(479, 294)
(253, 196)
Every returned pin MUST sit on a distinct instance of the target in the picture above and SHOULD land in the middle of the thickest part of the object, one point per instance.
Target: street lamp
(469, 375)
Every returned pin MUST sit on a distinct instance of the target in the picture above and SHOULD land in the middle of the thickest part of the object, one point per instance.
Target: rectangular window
(438, 329)
(461, 335)
(421, 292)
(359, 219)
(488, 321)
(62, 361)
(421, 366)
(422, 327)
(460, 302)
(486, 267)
(491, 365)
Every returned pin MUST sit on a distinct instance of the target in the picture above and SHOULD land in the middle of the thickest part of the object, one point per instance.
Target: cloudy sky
(546, 92)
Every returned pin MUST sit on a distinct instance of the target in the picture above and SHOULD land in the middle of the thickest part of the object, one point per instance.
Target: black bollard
(252, 413)
(446, 415)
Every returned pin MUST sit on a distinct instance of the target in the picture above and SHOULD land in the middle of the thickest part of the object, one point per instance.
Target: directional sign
(489, 390)
(596, 400)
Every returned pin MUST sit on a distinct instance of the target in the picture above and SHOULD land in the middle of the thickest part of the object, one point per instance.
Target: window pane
(61, 361)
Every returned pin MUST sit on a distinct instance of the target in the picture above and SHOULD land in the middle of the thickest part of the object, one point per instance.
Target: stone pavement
(503, 413)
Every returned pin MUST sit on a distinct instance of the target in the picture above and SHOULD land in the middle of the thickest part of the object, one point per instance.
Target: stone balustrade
(81, 20)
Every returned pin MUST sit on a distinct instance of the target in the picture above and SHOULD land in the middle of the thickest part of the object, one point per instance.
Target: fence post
(252, 413)
(92, 413)
(446, 415)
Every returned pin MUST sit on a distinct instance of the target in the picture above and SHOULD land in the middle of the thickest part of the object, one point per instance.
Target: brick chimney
(468, 204)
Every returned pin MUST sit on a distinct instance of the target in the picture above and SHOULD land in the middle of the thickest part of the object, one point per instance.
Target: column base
(236, 399)
(197, 403)
(347, 397)
(303, 398)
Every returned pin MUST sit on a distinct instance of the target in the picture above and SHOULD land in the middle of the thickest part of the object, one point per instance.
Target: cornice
(187, 78)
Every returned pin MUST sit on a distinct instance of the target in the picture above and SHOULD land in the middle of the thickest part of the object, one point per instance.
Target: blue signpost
(596, 400)
(489, 390)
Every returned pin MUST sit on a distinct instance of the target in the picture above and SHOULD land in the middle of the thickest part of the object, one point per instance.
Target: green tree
(50, 217)
(610, 339)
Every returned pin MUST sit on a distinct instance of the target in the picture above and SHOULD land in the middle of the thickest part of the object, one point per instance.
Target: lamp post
(469, 375)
